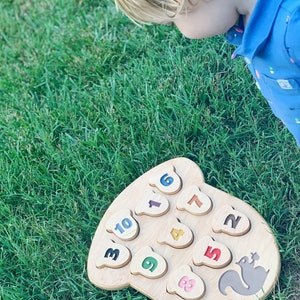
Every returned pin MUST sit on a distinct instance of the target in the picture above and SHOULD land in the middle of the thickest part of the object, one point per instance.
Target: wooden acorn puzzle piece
(148, 263)
(153, 205)
(199, 203)
(230, 221)
(211, 253)
(112, 255)
(123, 225)
(176, 235)
(186, 284)
(171, 236)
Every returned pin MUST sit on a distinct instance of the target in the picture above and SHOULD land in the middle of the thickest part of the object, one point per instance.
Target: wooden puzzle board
(170, 235)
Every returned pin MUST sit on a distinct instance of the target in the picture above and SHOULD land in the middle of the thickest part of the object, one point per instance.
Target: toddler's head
(152, 11)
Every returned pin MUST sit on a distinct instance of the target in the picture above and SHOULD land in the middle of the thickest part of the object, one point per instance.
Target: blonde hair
(151, 11)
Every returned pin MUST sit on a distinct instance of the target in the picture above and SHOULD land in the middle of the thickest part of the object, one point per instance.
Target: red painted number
(213, 253)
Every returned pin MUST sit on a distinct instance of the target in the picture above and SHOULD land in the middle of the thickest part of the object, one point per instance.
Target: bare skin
(214, 17)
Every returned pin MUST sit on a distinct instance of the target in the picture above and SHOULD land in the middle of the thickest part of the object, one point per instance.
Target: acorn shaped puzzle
(171, 236)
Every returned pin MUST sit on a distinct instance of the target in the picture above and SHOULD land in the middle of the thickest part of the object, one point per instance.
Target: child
(267, 33)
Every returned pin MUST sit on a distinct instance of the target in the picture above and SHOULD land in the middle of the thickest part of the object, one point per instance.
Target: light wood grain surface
(172, 236)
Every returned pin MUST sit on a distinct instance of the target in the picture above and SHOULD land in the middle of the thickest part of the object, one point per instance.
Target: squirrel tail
(232, 279)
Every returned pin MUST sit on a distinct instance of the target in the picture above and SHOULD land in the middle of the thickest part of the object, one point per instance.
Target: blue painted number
(125, 224)
(166, 180)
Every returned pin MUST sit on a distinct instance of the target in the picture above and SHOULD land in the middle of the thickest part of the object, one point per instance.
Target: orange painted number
(196, 200)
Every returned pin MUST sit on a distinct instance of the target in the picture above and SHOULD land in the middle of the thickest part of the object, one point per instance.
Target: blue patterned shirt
(270, 46)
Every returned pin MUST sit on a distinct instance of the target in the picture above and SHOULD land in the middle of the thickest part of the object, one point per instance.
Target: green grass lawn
(89, 102)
